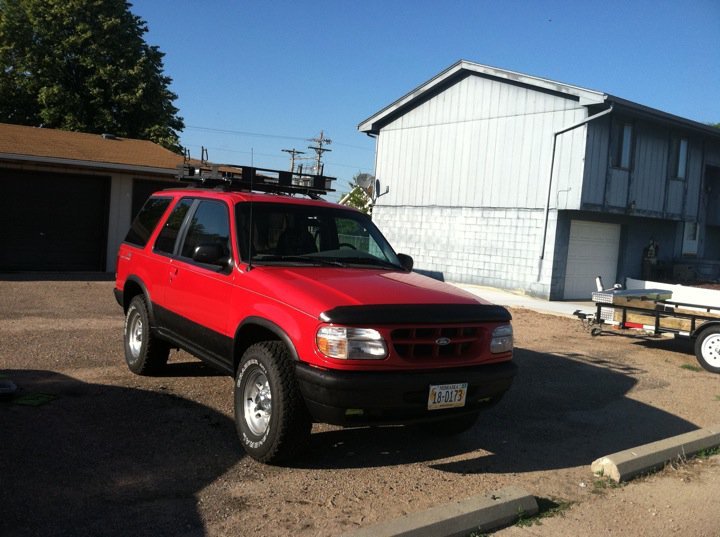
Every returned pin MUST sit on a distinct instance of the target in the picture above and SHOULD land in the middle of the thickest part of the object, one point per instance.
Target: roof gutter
(88, 164)
(552, 169)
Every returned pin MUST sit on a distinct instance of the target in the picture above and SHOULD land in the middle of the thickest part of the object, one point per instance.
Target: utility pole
(319, 150)
(293, 152)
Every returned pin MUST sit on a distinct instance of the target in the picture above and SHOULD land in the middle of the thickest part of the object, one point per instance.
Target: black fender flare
(699, 330)
(143, 289)
(271, 327)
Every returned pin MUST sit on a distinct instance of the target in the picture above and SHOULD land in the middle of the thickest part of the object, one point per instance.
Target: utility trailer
(652, 312)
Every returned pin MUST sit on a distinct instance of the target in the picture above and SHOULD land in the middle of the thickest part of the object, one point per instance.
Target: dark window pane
(146, 220)
(622, 145)
(166, 240)
(209, 226)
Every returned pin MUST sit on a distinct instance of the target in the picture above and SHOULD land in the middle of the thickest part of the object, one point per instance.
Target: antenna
(250, 225)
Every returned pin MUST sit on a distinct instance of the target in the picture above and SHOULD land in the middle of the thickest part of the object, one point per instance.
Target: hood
(315, 290)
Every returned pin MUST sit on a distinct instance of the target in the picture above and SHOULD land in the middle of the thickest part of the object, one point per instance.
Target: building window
(678, 157)
(622, 150)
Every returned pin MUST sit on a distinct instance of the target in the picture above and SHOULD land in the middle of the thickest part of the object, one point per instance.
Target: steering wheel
(340, 245)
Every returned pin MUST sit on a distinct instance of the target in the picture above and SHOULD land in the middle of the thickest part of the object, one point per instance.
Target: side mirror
(406, 261)
(211, 254)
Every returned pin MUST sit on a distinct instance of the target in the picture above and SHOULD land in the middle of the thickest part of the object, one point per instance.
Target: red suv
(308, 307)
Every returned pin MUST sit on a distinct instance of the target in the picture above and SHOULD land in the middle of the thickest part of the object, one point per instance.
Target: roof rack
(231, 177)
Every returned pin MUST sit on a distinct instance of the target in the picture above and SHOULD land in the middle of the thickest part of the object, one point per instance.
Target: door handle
(173, 273)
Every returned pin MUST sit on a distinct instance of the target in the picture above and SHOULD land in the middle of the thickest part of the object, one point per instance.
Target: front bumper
(361, 398)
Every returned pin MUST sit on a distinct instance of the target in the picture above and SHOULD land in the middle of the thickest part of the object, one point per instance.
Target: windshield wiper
(299, 259)
(373, 261)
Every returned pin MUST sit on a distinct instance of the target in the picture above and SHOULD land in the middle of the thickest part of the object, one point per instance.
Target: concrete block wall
(482, 246)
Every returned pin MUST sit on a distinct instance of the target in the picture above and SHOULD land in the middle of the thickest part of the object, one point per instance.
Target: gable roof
(464, 68)
(52, 146)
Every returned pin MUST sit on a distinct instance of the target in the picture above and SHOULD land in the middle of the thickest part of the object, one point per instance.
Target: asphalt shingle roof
(22, 141)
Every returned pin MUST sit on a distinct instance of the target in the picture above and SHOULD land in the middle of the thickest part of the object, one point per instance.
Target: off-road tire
(270, 415)
(145, 354)
(707, 349)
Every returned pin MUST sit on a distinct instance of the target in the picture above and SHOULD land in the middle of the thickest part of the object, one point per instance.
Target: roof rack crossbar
(237, 177)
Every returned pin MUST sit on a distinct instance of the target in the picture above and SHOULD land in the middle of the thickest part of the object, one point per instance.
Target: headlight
(351, 343)
(502, 339)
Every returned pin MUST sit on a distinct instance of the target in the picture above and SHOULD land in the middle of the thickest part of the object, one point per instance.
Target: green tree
(360, 195)
(83, 65)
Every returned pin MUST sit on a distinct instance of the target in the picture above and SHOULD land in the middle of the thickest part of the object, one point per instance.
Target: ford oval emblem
(442, 341)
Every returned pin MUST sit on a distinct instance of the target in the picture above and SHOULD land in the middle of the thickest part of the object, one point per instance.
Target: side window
(146, 220)
(165, 242)
(678, 157)
(209, 226)
(622, 148)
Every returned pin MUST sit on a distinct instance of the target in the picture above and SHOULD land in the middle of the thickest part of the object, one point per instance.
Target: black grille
(434, 342)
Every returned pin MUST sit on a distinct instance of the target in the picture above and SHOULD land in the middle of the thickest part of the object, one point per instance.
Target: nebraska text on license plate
(447, 395)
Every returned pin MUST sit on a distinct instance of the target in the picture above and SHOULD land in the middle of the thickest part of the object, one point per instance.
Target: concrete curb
(459, 518)
(625, 465)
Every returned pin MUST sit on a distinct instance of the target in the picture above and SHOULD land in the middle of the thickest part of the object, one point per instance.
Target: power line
(278, 157)
(266, 135)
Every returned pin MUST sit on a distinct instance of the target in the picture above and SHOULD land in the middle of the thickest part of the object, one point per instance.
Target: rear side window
(165, 242)
(146, 220)
(209, 225)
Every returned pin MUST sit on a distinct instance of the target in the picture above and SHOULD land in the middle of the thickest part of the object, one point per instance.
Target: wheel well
(130, 290)
(703, 327)
(256, 330)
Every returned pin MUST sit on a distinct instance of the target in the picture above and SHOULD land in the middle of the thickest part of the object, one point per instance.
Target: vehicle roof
(235, 196)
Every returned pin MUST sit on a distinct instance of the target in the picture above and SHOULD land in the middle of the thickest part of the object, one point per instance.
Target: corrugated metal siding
(695, 173)
(617, 188)
(648, 183)
(483, 143)
(650, 169)
(596, 162)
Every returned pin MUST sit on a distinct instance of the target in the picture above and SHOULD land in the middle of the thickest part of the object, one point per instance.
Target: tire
(452, 425)
(145, 354)
(707, 349)
(270, 415)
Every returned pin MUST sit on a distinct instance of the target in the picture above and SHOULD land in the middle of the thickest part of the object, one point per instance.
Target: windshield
(307, 234)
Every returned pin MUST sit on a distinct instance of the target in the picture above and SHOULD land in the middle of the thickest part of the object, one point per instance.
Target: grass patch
(709, 452)
(717, 397)
(547, 507)
(603, 484)
(33, 399)
(691, 367)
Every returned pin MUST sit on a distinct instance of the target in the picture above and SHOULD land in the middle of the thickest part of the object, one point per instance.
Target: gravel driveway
(111, 453)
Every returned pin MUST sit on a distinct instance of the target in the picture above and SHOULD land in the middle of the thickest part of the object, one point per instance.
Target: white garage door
(593, 251)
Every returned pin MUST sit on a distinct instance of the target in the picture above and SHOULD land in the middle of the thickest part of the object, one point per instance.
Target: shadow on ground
(106, 460)
(562, 412)
(57, 276)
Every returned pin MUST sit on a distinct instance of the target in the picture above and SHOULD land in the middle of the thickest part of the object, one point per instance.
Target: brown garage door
(53, 222)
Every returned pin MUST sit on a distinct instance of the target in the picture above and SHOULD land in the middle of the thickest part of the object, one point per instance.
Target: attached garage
(593, 251)
(67, 198)
(53, 222)
(142, 189)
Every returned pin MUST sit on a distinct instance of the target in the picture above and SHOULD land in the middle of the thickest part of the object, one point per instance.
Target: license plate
(447, 396)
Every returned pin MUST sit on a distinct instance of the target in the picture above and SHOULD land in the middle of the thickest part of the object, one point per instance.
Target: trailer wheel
(707, 349)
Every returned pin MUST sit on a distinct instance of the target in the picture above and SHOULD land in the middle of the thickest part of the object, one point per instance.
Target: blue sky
(256, 77)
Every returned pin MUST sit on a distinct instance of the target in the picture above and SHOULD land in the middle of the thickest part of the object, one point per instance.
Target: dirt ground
(110, 453)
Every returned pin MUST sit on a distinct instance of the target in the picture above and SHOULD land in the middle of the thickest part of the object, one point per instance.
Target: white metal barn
(505, 179)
